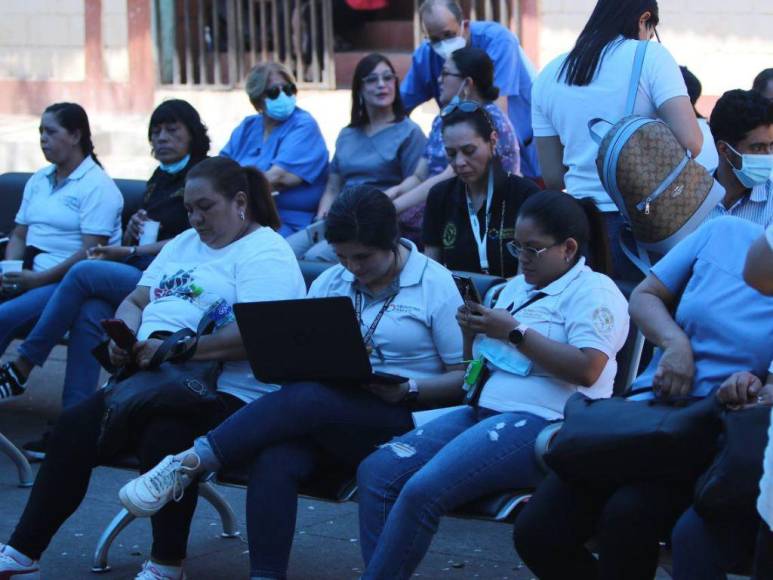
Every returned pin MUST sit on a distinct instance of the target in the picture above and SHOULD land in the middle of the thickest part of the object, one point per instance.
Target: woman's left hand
(493, 322)
(389, 393)
(144, 351)
(112, 253)
(15, 283)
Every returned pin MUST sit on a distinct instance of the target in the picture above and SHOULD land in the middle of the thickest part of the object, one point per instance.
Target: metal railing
(506, 12)
(214, 43)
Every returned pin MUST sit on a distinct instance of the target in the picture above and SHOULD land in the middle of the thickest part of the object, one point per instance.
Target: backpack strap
(638, 256)
(633, 87)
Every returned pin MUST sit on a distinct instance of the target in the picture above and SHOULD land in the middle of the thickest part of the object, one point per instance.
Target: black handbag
(616, 441)
(730, 486)
(171, 385)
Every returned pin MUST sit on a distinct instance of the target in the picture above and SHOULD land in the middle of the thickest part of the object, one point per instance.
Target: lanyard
(475, 223)
(529, 302)
(358, 307)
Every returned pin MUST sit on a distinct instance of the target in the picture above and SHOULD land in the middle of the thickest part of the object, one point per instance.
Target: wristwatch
(132, 251)
(413, 391)
(517, 335)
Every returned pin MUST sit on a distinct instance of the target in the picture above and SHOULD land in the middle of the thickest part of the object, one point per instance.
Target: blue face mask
(755, 169)
(280, 108)
(177, 166)
(504, 356)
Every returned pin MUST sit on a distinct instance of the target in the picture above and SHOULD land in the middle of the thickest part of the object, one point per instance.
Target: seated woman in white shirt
(231, 254)
(406, 305)
(556, 330)
(68, 207)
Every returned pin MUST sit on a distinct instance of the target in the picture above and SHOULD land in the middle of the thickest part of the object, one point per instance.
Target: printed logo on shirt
(603, 320)
(449, 235)
(179, 284)
(506, 233)
(71, 202)
(403, 308)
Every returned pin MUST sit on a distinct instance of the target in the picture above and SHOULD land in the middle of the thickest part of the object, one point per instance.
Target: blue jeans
(89, 292)
(411, 482)
(282, 436)
(18, 315)
(709, 550)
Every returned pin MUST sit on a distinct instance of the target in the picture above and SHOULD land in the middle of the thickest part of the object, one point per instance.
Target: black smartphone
(121, 334)
(467, 289)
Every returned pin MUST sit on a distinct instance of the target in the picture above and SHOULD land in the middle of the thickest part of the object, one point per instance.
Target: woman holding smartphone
(556, 331)
(406, 305)
(231, 254)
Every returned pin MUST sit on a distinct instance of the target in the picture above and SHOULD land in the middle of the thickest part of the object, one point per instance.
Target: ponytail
(261, 202)
(73, 118)
(228, 178)
(561, 216)
(598, 252)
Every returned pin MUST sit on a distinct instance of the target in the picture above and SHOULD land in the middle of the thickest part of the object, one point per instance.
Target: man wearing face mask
(447, 30)
(742, 126)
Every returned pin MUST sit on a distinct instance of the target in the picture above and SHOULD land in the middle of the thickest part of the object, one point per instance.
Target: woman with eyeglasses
(469, 219)
(284, 142)
(556, 330)
(591, 81)
(380, 147)
(468, 74)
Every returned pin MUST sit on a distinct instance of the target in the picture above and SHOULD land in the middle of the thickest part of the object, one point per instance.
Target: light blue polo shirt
(418, 334)
(296, 146)
(729, 324)
(57, 216)
(511, 74)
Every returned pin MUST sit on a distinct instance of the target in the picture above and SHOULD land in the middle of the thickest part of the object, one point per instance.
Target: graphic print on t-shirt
(179, 284)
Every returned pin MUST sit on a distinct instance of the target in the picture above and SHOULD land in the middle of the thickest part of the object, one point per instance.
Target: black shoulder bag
(171, 385)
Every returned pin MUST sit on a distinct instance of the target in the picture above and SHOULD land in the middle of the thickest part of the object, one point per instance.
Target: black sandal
(11, 384)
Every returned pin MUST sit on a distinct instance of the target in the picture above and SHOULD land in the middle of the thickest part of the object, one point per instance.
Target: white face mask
(444, 48)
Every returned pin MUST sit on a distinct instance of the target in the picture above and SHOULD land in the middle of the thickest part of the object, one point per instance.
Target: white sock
(18, 556)
(174, 571)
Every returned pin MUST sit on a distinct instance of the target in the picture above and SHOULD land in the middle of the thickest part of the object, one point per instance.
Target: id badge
(473, 372)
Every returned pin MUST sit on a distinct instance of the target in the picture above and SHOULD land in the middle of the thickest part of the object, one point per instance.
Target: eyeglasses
(288, 89)
(516, 249)
(463, 106)
(374, 79)
(444, 73)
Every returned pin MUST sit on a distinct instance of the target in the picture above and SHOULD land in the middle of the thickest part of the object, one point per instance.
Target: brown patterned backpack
(662, 193)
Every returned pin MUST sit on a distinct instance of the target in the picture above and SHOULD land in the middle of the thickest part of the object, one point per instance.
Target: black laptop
(315, 339)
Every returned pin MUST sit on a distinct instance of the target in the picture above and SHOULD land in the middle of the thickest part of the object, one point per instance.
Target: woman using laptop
(406, 305)
(232, 253)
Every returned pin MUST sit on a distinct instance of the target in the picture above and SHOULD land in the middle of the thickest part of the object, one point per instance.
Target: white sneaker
(151, 571)
(145, 495)
(12, 569)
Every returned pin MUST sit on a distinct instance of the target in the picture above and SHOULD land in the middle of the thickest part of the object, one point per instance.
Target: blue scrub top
(729, 324)
(296, 146)
(511, 75)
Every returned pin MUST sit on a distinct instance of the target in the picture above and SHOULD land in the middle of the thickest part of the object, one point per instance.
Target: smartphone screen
(467, 289)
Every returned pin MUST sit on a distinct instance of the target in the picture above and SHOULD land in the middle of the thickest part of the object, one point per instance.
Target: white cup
(8, 266)
(149, 233)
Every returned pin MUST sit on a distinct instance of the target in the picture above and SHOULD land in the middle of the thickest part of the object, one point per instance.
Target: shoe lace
(171, 476)
(149, 572)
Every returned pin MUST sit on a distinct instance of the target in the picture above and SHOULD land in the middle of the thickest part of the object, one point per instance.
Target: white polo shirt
(418, 334)
(765, 501)
(57, 217)
(582, 308)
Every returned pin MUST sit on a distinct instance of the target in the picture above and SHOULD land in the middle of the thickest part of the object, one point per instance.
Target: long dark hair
(363, 214)
(610, 19)
(561, 216)
(475, 63)
(73, 118)
(178, 110)
(359, 116)
(228, 178)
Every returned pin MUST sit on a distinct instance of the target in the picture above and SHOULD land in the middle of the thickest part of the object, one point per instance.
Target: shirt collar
(85, 166)
(558, 286)
(411, 274)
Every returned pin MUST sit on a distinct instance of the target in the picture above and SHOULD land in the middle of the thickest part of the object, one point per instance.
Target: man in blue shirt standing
(447, 31)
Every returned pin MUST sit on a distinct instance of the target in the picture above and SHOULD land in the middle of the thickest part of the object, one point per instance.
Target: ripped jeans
(410, 483)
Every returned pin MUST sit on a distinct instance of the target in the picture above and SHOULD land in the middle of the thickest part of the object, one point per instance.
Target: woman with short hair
(284, 142)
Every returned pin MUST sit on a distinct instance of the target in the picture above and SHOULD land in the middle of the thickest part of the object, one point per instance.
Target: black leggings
(763, 558)
(71, 455)
(628, 523)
